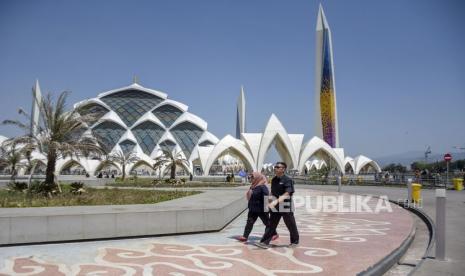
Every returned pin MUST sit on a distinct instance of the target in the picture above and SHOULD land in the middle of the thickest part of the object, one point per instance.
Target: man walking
(282, 189)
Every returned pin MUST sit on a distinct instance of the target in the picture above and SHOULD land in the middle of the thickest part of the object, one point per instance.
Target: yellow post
(458, 184)
(416, 192)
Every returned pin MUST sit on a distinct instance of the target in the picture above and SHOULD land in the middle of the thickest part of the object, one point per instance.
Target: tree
(170, 159)
(10, 156)
(61, 134)
(395, 168)
(419, 166)
(124, 159)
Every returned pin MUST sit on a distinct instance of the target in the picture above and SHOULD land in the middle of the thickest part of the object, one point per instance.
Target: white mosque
(144, 121)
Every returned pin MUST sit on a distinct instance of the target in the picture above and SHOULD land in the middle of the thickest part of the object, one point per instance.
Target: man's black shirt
(280, 185)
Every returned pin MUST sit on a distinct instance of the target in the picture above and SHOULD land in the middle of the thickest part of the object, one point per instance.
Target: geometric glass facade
(148, 134)
(76, 134)
(166, 125)
(127, 146)
(167, 114)
(108, 134)
(167, 145)
(187, 135)
(96, 110)
(130, 105)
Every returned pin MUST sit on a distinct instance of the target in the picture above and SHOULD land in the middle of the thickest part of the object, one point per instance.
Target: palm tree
(124, 159)
(60, 134)
(11, 155)
(170, 159)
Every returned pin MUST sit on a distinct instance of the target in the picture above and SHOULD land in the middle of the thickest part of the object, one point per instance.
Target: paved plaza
(331, 243)
(455, 238)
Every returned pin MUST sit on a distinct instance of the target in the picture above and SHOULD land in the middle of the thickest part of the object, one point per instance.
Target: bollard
(339, 184)
(441, 224)
(416, 193)
(409, 190)
(458, 183)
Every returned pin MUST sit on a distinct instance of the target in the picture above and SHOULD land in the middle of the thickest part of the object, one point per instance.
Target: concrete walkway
(331, 243)
(455, 225)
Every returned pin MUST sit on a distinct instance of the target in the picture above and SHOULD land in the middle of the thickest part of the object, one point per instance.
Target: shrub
(183, 180)
(77, 188)
(42, 188)
(17, 186)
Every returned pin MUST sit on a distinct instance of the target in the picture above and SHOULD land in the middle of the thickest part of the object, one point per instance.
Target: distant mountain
(408, 158)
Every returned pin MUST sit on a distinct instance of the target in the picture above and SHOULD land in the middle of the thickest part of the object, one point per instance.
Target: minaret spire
(240, 115)
(35, 109)
(326, 122)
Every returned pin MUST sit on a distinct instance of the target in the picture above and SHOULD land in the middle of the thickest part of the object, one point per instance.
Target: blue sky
(399, 65)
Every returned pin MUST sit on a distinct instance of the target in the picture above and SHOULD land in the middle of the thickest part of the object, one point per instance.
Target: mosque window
(127, 146)
(95, 112)
(187, 135)
(167, 114)
(108, 134)
(148, 134)
(167, 145)
(130, 105)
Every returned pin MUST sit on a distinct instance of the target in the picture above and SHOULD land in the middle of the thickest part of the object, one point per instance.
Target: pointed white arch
(203, 153)
(64, 163)
(148, 116)
(252, 141)
(349, 160)
(91, 101)
(182, 107)
(96, 101)
(166, 169)
(361, 161)
(143, 158)
(189, 117)
(104, 163)
(321, 164)
(40, 162)
(229, 142)
(112, 117)
(274, 130)
(208, 136)
(313, 146)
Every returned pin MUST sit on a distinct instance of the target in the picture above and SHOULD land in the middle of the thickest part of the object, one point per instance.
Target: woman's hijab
(257, 180)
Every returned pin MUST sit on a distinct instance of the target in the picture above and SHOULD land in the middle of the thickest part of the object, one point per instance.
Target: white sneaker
(262, 245)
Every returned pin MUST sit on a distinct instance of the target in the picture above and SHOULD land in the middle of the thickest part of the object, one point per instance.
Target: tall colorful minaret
(325, 89)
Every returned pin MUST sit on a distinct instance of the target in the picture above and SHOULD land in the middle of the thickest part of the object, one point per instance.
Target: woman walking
(256, 195)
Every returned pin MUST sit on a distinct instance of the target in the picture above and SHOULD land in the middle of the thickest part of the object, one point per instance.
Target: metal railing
(438, 181)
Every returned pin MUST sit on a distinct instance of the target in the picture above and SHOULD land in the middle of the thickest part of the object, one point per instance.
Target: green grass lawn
(10, 199)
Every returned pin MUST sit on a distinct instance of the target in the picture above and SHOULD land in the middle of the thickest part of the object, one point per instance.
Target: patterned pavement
(331, 243)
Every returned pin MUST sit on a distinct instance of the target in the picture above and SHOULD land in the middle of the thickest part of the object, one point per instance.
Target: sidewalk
(455, 228)
(330, 244)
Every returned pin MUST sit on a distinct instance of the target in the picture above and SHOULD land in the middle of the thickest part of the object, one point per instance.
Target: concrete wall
(209, 211)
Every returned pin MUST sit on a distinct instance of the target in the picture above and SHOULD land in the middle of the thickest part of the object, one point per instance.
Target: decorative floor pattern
(330, 244)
